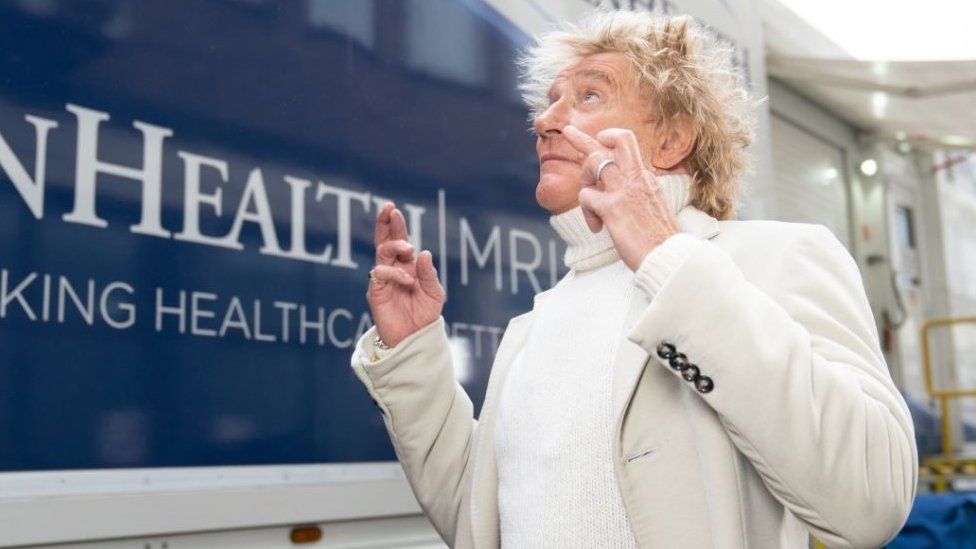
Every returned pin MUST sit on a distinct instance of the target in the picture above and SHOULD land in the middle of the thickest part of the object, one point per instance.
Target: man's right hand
(410, 295)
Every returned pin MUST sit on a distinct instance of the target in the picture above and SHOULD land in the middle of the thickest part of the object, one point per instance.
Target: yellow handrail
(942, 395)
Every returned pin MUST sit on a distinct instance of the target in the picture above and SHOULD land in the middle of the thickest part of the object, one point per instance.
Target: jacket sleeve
(799, 380)
(429, 418)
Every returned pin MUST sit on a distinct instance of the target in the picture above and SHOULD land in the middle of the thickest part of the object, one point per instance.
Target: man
(691, 382)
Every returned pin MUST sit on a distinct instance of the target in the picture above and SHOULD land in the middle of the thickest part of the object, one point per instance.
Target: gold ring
(374, 280)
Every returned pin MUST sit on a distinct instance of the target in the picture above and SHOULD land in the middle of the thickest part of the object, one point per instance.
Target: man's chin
(556, 194)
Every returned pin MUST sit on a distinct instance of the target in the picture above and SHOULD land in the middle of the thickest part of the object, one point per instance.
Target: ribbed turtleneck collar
(588, 250)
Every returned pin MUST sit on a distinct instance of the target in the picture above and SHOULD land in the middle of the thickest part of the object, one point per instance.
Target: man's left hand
(627, 198)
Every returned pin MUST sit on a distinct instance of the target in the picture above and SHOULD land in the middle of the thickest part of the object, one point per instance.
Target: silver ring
(601, 166)
(374, 280)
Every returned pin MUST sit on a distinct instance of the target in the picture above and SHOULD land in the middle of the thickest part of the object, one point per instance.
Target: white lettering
(257, 324)
(254, 192)
(128, 308)
(86, 309)
(304, 324)
(17, 294)
(196, 313)
(298, 250)
(286, 308)
(178, 310)
(517, 265)
(343, 219)
(32, 191)
(340, 343)
(193, 198)
(234, 318)
(87, 168)
(492, 247)
(46, 300)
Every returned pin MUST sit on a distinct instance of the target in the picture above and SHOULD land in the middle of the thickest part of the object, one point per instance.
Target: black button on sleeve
(665, 350)
(678, 362)
(704, 384)
(690, 373)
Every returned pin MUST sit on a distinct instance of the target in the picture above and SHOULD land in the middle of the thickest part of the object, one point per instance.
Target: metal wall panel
(811, 179)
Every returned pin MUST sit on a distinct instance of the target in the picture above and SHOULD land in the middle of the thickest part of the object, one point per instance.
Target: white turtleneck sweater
(556, 485)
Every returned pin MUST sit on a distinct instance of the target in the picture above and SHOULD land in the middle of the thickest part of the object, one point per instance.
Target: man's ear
(675, 144)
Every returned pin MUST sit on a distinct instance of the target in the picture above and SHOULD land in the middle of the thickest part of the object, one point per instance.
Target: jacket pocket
(641, 455)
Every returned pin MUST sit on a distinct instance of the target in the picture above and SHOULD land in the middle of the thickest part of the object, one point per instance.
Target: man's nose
(552, 121)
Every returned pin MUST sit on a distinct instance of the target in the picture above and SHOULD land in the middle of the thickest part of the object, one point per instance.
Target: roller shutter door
(810, 179)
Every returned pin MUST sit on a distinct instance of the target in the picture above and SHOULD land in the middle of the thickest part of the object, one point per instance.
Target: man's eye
(591, 97)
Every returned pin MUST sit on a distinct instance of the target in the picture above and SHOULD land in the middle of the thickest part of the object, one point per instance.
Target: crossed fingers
(392, 245)
(390, 225)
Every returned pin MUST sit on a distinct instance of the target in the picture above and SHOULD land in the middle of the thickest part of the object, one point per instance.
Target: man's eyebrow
(595, 74)
(591, 74)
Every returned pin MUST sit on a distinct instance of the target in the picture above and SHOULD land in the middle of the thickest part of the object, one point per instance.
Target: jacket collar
(695, 222)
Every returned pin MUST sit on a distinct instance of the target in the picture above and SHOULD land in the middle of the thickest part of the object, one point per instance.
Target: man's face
(597, 93)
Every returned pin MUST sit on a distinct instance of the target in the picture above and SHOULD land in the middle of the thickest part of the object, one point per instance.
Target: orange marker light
(305, 534)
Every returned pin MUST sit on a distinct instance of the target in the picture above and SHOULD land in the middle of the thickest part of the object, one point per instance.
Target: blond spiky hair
(688, 73)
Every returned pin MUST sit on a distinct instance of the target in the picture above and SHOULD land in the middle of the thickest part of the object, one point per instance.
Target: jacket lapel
(484, 493)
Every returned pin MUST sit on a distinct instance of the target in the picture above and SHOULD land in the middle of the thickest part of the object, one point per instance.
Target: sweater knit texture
(553, 436)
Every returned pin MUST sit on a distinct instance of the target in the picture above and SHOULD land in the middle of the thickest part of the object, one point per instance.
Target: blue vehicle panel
(187, 198)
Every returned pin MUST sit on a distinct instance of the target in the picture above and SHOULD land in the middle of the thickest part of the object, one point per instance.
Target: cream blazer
(803, 432)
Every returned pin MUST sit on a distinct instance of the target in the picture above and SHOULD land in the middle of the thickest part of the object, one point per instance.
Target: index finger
(594, 151)
(582, 142)
(382, 232)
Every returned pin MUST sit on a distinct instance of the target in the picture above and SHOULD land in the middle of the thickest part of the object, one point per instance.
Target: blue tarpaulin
(939, 520)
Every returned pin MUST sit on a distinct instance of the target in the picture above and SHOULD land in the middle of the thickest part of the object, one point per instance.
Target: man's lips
(550, 156)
